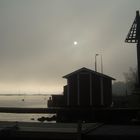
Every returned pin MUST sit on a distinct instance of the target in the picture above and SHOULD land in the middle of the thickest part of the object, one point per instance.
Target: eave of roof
(88, 70)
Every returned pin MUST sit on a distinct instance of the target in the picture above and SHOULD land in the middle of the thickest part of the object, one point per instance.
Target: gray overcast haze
(37, 41)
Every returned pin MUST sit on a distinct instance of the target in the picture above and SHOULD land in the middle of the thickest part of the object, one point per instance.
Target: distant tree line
(122, 88)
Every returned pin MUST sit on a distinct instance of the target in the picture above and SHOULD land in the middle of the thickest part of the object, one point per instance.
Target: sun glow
(75, 43)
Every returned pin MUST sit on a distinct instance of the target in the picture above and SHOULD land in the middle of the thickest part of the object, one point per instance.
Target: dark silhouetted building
(85, 88)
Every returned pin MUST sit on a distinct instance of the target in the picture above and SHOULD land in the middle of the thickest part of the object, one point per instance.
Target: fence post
(79, 130)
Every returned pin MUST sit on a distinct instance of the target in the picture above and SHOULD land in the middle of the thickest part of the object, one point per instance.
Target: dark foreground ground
(68, 131)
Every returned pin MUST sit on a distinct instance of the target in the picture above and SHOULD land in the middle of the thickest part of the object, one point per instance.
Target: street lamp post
(101, 64)
(96, 62)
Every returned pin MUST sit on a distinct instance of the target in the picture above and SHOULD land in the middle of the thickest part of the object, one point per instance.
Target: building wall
(65, 89)
(84, 89)
(107, 86)
(72, 81)
(99, 97)
(58, 101)
(96, 90)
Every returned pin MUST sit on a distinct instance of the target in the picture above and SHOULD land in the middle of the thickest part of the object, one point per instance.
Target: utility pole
(96, 61)
(101, 64)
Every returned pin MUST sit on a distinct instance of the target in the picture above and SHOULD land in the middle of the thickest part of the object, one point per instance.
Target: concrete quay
(68, 131)
(50, 131)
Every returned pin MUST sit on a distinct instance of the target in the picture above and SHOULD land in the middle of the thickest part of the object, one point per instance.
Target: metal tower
(134, 37)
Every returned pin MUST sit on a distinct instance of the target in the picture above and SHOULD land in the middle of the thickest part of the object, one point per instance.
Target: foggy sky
(36, 41)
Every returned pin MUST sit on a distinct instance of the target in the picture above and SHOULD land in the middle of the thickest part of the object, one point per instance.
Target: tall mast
(134, 37)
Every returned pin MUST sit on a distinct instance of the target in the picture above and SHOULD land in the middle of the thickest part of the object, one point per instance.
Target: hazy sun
(75, 43)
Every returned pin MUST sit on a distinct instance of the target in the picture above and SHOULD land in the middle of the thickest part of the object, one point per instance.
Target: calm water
(39, 101)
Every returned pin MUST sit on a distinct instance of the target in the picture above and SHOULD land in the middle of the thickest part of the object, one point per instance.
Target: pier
(107, 115)
(27, 110)
(57, 109)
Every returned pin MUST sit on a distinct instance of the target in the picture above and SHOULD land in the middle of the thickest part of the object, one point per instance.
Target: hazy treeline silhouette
(122, 88)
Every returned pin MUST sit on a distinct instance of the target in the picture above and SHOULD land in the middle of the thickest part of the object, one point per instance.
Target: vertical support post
(96, 61)
(78, 90)
(102, 96)
(90, 89)
(101, 64)
(79, 130)
(138, 47)
(138, 59)
(68, 93)
(95, 64)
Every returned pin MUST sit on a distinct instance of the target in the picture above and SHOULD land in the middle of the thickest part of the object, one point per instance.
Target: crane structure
(134, 37)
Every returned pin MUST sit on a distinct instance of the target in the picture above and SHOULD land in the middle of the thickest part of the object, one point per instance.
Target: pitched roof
(90, 71)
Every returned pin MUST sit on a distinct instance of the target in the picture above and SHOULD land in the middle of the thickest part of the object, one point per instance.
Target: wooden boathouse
(85, 88)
